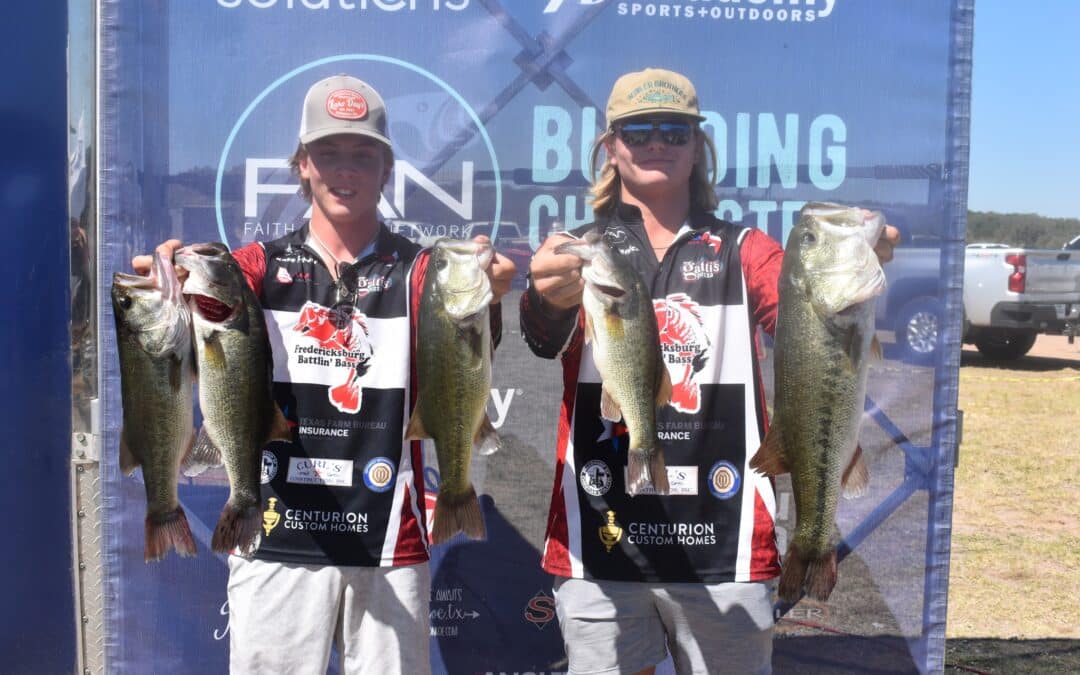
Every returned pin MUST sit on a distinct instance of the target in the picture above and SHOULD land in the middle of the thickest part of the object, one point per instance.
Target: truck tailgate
(1052, 276)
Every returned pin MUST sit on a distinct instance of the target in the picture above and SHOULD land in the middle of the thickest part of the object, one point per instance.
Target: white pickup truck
(1011, 295)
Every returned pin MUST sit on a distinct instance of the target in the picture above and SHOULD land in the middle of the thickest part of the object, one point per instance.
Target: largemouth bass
(620, 323)
(232, 353)
(824, 340)
(153, 336)
(453, 364)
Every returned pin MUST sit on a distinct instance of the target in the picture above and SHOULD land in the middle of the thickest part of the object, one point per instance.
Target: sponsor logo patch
(317, 471)
(610, 532)
(682, 481)
(724, 480)
(269, 467)
(271, 517)
(283, 276)
(379, 474)
(595, 478)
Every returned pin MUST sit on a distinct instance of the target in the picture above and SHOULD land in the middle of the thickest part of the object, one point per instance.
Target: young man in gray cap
(343, 554)
(690, 571)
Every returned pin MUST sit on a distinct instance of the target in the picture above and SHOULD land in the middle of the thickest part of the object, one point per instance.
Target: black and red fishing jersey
(347, 490)
(715, 285)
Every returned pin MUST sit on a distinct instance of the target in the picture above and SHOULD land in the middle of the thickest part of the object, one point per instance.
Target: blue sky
(1025, 108)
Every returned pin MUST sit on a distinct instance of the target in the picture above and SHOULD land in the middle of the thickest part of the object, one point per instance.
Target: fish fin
(457, 513)
(819, 575)
(487, 440)
(770, 458)
(663, 391)
(202, 455)
(416, 431)
(128, 461)
(856, 479)
(792, 576)
(279, 427)
(168, 531)
(589, 335)
(237, 528)
(644, 469)
(609, 407)
(877, 355)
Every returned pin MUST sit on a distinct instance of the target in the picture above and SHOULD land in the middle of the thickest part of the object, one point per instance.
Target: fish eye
(124, 302)
(440, 263)
(809, 238)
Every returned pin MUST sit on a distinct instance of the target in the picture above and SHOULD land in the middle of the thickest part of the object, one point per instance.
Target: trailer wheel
(1005, 345)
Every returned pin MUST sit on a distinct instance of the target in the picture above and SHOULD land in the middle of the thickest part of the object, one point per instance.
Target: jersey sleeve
(761, 258)
(252, 261)
(548, 333)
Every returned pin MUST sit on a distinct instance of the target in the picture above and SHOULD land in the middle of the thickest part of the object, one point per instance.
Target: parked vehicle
(1010, 296)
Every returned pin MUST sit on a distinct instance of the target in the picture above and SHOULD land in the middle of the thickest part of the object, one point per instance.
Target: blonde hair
(607, 189)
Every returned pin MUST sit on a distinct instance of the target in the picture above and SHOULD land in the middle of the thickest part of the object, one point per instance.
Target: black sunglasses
(672, 132)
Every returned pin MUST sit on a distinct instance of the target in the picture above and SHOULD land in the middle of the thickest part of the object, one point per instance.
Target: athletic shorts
(627, 626)
(284, 618)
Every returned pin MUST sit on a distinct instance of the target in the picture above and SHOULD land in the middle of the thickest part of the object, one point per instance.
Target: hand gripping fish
(824, 340)
(620, 324)
(153, 336)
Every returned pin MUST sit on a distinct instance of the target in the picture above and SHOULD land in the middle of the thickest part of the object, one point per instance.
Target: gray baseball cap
(343, 105)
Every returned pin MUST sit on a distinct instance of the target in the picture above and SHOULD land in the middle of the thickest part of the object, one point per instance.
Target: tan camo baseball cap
(653, 90)
(343, 105)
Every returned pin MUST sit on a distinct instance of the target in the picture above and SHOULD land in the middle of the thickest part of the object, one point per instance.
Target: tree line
(1020, 229)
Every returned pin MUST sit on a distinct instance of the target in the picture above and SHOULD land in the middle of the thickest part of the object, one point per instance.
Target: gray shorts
(626, 626)
(284, 618)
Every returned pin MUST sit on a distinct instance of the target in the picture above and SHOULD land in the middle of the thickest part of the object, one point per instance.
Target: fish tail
(646, 468)
(166, 531)
(819, 575)
(237, 528)
(457, 513)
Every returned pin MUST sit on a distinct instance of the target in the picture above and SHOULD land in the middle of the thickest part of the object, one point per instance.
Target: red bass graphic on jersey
(685, 348)
(342, 332)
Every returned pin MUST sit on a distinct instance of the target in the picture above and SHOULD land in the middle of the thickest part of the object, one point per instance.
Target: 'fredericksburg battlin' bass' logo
(340, 336)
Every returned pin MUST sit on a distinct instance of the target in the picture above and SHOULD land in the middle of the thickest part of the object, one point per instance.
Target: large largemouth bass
(153, 336)
(620, 323)
(232, 352)
(453, 365)
(829, 279)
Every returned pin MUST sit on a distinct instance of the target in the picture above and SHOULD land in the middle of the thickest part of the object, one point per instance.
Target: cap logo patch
(346, 104)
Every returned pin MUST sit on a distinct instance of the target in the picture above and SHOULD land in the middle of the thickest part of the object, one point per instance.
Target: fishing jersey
(347, 490)
(715, 284)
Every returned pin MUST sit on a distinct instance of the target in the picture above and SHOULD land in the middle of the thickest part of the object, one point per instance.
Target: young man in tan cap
(343, 554)
(691, 571)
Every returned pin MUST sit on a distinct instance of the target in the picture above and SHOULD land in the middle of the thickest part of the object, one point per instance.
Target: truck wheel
(1005, 345)
(918, 330)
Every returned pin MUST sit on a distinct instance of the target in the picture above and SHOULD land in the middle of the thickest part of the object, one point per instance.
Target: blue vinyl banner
(493, 108)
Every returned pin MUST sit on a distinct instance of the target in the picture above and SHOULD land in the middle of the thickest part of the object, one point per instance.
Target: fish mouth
(211, 309)
(609, 290)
